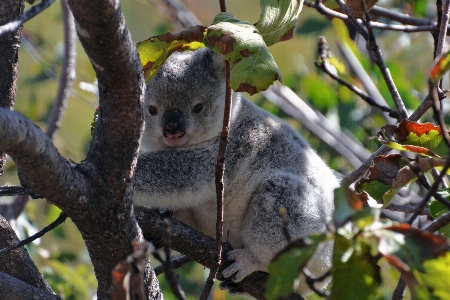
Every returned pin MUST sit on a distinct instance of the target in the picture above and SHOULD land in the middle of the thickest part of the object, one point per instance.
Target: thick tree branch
(17, 263)
(101, 29)
(9, 61)
(113, 151)
(15, 289)
(41, 168)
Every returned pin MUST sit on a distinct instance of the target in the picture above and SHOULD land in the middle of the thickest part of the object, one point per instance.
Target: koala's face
(184, 101)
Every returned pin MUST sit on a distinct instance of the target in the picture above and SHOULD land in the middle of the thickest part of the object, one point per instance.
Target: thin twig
(322, 9)
(219, 174)
(315, 122)
(424, 182)
(180, 14)
(438, 223)
(13, 190)
(372, 46)
(176, 263)
(430, 192)
(16, 23)
(311, 282)
(324, 66)
(399, 291)
(62, 217)
(399, 17)
(67, 72)
(407, 209)
(169, 273)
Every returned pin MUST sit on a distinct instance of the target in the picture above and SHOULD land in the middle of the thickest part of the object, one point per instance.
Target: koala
(268, 166)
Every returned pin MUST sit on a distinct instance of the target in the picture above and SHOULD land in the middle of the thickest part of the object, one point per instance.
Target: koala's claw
(244, 264)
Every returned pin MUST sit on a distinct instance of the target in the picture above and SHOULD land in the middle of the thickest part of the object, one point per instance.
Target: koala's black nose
(173, 124)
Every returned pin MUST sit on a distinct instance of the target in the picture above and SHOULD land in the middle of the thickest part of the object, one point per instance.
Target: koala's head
(184, 101)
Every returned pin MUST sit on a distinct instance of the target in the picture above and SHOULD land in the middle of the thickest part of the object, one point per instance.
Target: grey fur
(268, 166)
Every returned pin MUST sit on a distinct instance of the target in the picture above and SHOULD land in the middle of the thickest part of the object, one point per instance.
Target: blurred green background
(61, 255)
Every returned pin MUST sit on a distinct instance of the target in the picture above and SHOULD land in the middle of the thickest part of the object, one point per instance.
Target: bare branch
(220, 171)
(182, 14)
(406, 209)
(67, 72)
(176, 263)
(17, 263)
(322, 9)
(169, 273)
(324, 66)
(15, 289)
(18, 22)
(101, 29)
(289, 102)
(356, 67)
(41, 168)
(399, 17)
(62, 217)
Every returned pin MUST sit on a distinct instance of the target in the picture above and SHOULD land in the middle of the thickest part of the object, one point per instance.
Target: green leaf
(285, 268)
(253, 68)
(437, 209)
(356, 274)
(436, 275)
(278, 19)
(154, 51)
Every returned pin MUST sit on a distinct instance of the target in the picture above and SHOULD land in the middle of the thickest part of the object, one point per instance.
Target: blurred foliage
(62, 256)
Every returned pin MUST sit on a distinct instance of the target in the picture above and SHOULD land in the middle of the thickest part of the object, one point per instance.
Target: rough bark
(97, 194)
(9, 48)
(15, 289)
(17, 263)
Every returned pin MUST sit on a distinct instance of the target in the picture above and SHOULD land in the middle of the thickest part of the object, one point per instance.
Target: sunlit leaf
(278, 19)
(154, 51)
(287, 265)
(253, 68)
(440, 68)
(424, 139)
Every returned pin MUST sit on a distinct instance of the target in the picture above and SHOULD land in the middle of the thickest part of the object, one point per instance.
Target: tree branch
(67, 72)
(17, 263)
(41, 168)
(15, 289)
(315, 122)
(9, 61)
(32, 12)
(198, 246)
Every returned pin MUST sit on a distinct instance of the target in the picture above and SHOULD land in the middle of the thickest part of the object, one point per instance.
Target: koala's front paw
(244, 264)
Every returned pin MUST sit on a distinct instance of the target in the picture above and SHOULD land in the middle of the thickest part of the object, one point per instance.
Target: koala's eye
(153, 111)
(198, 108)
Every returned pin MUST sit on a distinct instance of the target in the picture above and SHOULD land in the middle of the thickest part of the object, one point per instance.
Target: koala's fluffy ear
(212, 61)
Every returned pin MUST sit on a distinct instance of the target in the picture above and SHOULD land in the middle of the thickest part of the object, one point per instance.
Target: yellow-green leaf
(154, 51)
(425, 139)
(440, 68)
